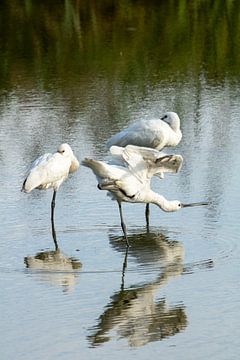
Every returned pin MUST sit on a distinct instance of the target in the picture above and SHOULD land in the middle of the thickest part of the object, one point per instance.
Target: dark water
(77, 72)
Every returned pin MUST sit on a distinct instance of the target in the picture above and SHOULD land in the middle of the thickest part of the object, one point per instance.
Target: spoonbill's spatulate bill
(155, 134)
(127, 178)
(49, 171)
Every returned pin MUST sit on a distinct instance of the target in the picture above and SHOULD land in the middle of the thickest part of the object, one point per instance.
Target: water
(78, 72)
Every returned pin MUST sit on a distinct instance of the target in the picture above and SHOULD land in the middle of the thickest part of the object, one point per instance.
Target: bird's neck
(160, 201)
(175, 125)
(176, 136)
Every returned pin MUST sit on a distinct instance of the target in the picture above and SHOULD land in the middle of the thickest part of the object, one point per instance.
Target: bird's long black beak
(201, 203)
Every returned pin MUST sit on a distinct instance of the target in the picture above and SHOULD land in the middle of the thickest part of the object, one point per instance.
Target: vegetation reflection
(65, 38)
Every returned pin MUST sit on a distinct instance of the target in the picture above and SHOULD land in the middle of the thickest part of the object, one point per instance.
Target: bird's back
(47, 171)
(153, 133)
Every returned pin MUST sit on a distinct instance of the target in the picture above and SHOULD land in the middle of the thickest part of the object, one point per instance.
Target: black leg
(124, 229)
(124, 267)
(53, 205)
(147, 212)
(52, 219)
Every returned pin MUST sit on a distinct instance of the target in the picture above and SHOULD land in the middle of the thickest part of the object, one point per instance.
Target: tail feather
(32, 181)
(98, 167)
(23, 186)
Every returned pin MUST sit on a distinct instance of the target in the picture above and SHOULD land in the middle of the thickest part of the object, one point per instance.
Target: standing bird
(49, 171)
(155, 134)
(128, 174)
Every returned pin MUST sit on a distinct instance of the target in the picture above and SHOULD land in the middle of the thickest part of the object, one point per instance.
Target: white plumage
(152, 158)
(49, 171)
(127, 176)
(155, 134)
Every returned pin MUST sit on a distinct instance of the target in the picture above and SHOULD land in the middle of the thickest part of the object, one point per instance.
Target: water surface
(78, 72)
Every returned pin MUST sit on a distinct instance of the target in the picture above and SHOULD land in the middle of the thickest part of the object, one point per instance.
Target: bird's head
(65, 150)
(177, 205)
(172, 119)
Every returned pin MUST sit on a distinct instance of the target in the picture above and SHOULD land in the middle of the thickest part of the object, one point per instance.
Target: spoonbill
(127, 176)
(155, 133)
(151, 156)
(49, 171)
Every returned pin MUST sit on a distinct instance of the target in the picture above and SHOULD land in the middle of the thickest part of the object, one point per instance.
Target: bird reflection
(55, 267)
(135, 313)
(151, 248)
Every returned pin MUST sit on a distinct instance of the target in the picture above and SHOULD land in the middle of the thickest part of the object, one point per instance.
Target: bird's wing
(117, 156)
(46, 171)
(165, 164)
(145, 152)
(40, 161)
(55, 168)
(151, 133)
(132, 159)
(145, 162)
(157, 162)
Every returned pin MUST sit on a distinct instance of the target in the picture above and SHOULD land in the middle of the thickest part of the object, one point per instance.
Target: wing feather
(146, 133)
(144, 161)
(40, 161)
(49, 170)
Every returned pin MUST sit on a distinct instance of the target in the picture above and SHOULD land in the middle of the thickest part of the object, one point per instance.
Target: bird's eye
(179, 205)
(164, 117)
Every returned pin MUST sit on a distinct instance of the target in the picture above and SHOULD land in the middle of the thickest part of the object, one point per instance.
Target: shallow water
(77, 74)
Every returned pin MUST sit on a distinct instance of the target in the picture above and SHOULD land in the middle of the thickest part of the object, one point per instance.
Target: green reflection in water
(124, 39)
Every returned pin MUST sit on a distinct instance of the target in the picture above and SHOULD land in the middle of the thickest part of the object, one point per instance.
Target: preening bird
(127, 176)
(155, 133)
(151, 156)
(49, 171)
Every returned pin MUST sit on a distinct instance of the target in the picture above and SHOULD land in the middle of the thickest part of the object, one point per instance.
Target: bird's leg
(124, 267)
(147, 212)
(52, 219)
(53, 206)
(124, 229)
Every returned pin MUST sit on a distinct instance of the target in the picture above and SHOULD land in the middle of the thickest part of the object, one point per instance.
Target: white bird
(120, 155)
(155, 133)
(49, 171)
(153, 157)
(128, 174)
